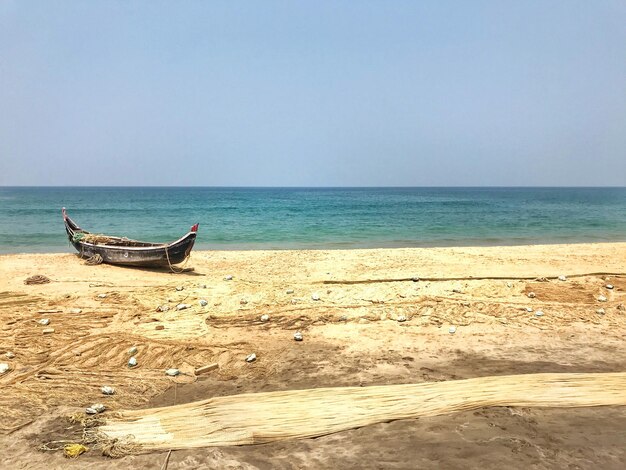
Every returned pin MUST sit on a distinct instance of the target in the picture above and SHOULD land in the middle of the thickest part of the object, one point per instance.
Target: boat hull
(129, 256)
(129, 252)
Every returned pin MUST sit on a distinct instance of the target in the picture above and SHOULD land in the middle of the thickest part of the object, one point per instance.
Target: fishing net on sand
(94, 260)
(266, 417)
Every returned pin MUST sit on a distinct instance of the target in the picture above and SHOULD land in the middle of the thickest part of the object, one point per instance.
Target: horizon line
(320, 187)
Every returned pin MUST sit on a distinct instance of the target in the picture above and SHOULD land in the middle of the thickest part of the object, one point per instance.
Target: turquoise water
(271, 218)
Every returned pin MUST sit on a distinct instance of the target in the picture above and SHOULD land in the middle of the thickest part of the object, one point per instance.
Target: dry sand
(351, 337)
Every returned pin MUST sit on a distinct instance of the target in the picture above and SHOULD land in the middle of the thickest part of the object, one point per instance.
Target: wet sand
(352, 336)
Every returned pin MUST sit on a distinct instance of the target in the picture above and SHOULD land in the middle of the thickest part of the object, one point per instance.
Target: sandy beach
(382, 316)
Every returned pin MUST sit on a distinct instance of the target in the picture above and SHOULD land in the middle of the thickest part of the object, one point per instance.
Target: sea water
(314, 218)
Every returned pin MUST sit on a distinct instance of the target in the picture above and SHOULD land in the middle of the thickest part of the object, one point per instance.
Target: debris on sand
(315, 296)
(207, 368)
(529, 309)
(609, 286)
(99, 407)
(47, 331)
(182, 306)
(95, 409)
(265, 318)
(539, 313)
(298, 336)
(132, 362)
(172, 372)
(228, 278)
(562, 278)
(401, 318)
(452, 330)
(600, 311)
(203, 303)
(132, 351)
(75, 311)
(532, 295)
(102, 296)
(602, 298)
(72, 451)
(162, 308)
(289, 291)
(179, 288)
(4, 368)
(9, 355)
(44, 321)
(106, 390)
(251, 358)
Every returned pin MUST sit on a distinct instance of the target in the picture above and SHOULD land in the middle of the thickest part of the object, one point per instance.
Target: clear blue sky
(337, 93)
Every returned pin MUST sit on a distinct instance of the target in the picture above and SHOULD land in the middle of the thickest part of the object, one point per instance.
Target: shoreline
(240, 248)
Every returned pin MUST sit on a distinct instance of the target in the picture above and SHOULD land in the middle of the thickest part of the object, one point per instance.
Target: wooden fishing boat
(118, 250)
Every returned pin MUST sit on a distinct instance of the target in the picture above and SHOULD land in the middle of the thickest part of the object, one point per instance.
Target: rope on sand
(470, 278)
(37, 279)
(94, 260)
(117, 448)
(176, 270)
(295, 414)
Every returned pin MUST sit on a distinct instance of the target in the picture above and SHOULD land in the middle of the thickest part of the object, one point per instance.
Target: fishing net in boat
(93, 238)
(266, 417)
